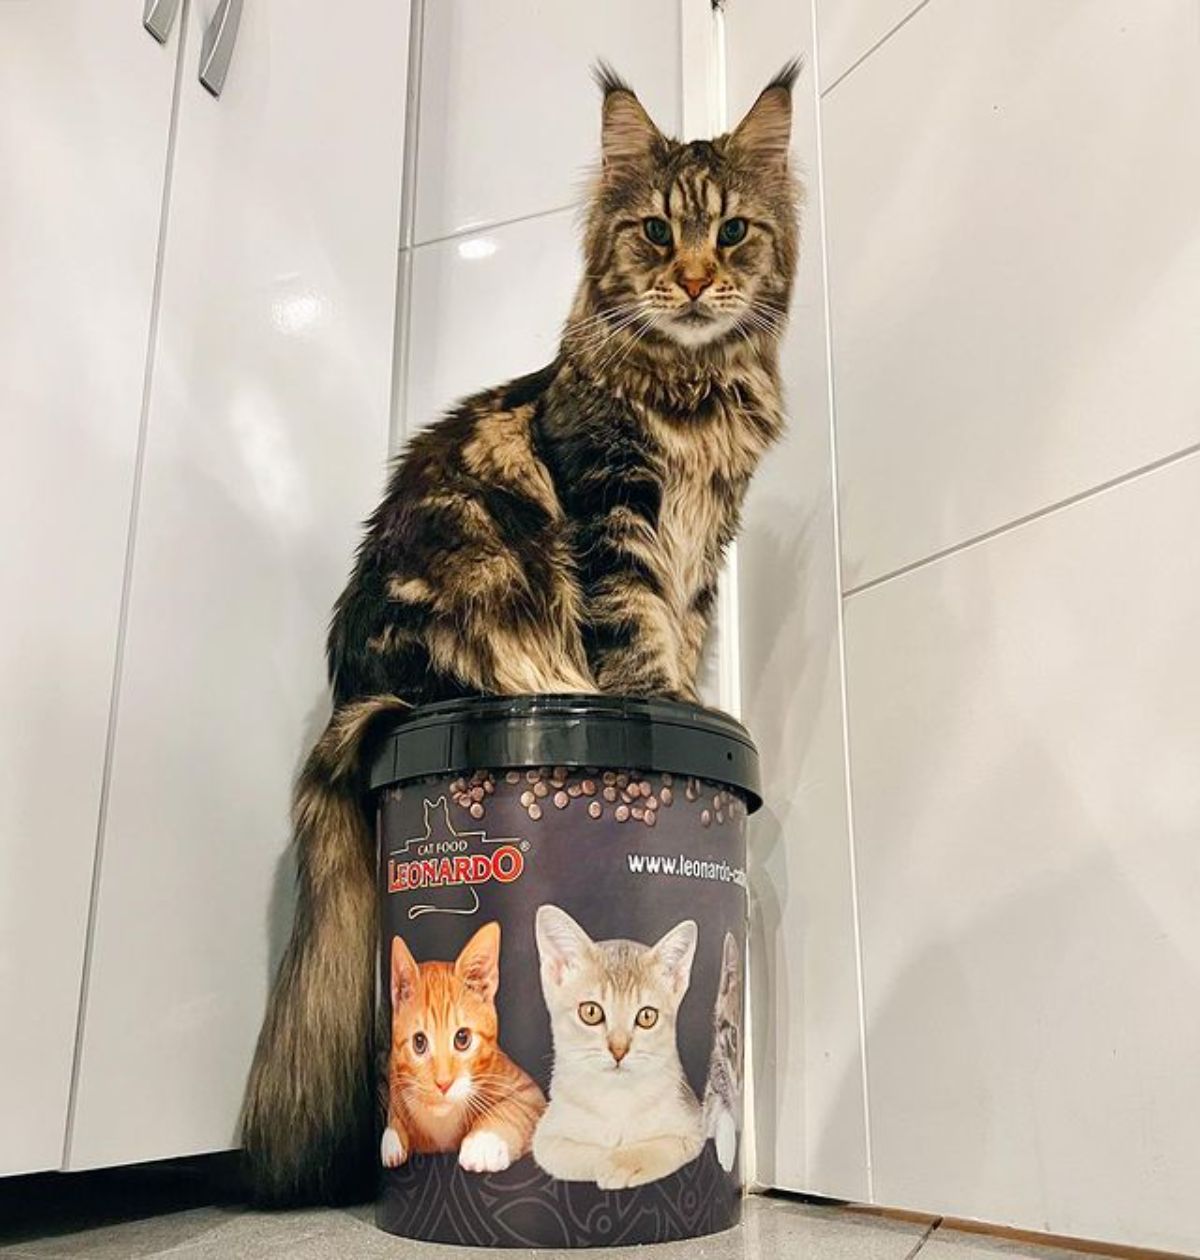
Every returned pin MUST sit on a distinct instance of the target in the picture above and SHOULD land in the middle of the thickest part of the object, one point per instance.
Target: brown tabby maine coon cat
(560, 533)
(450, 1086)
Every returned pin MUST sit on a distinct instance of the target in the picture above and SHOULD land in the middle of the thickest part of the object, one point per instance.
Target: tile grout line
(834, 483)
(139, 462)
(875, 47)
(402, 325)
(930, 1230)
(475, 229)
(1029, 518)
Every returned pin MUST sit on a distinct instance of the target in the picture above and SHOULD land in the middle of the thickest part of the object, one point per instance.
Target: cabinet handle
(159, 16)
(217, 49)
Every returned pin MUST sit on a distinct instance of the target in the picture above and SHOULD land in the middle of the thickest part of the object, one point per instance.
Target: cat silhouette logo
(443, 858)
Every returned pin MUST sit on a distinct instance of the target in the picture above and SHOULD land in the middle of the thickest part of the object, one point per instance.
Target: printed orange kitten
(451, 1087)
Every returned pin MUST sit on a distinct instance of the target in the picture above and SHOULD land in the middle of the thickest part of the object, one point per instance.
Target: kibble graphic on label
(631, 796)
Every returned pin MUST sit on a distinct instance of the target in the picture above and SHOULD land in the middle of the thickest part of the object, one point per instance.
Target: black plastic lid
(609, 732)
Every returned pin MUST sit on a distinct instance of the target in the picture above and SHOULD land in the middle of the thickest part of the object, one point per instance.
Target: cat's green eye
(420, 1043)
(658, 231)
(462, 1039)
(732, 232)
(647, 1017)
(592, 1013)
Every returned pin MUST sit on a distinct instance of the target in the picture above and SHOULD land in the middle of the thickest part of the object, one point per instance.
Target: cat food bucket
(563, 892)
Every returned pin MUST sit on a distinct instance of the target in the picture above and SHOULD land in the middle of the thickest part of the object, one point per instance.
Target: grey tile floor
(124, 1216)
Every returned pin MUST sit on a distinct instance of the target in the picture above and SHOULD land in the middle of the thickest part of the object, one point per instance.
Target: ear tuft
(608, 80)
(627, 132)
(766, 131)
(787, 75)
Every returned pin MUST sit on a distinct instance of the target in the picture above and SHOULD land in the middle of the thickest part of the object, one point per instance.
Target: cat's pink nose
(618, 1049)
(444, 1085)
(694, 285)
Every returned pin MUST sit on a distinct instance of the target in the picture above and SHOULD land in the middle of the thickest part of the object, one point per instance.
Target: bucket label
(443, 857)
(561, 968)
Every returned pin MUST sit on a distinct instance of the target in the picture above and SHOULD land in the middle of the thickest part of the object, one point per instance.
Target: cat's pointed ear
(562, 943)
(766, 131)
(627, 132)
(731, 963)
(478, 966)
(675, 953)
(406, 975)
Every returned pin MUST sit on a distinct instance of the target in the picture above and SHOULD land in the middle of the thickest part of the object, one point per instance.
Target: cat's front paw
(391, 1149)
(484, 1151)
(624, 1169)
(726, 1141)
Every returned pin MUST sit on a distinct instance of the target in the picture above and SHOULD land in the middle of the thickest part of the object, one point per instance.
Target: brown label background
(579, 863)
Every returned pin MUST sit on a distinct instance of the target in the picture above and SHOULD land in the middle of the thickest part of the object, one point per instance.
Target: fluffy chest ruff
(557, 534)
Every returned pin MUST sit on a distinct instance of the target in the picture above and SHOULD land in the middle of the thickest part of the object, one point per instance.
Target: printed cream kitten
(621, 1110)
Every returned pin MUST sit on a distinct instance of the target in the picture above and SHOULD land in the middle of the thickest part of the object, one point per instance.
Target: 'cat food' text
(503, 864)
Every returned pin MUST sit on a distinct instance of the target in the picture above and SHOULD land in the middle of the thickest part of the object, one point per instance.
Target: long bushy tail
(309, 1114)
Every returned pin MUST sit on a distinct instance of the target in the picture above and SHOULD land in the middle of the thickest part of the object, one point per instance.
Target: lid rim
(575, 729)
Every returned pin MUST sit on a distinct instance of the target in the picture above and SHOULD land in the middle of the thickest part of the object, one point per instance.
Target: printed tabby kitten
(451, 1087)
(559, 533)
(723, 1093)
(621, 1110)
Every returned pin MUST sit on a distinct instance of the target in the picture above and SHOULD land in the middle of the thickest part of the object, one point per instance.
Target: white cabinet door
(83, 144)
(266, 443)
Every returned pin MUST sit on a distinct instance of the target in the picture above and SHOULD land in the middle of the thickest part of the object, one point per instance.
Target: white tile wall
(809, 1105)
(486, 307)
(1014, 264)
(1012, 193)
(509, 116)
(1024, 745)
